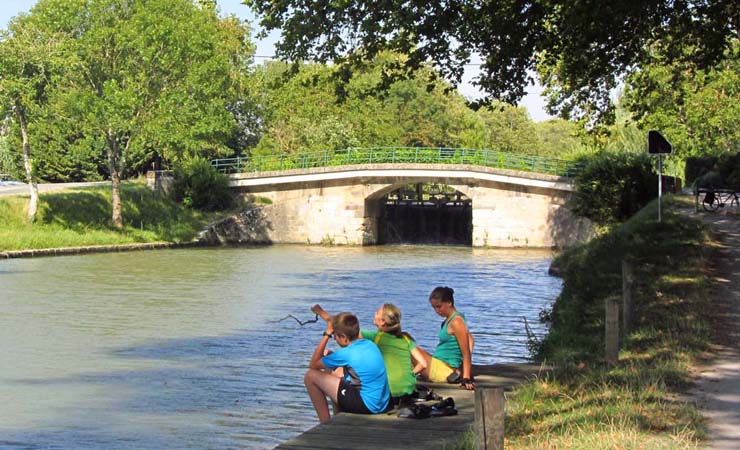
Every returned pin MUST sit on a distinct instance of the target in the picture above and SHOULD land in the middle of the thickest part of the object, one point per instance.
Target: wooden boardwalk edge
(388, 432)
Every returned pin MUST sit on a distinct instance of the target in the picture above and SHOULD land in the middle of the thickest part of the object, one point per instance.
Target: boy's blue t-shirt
(364, 368)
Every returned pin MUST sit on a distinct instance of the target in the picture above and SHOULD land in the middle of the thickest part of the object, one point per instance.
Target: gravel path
(22, 189)
(718, 390)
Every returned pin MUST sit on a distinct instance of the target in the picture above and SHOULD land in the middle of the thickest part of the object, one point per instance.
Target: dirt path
(718, 391)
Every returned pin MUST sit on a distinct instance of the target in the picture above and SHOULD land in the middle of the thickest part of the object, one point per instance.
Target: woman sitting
(454, 350)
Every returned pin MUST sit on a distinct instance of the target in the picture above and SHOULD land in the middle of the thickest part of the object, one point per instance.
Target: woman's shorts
(439, 371)
(349, 399)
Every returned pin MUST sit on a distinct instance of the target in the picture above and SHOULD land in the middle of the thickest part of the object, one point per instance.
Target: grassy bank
(82, 217)
(585, 404)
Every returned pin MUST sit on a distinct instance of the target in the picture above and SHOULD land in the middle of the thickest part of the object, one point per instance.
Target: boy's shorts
(439, 371)
(349, 399)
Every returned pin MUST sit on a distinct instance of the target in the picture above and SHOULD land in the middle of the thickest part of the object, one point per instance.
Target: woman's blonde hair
(391, 316)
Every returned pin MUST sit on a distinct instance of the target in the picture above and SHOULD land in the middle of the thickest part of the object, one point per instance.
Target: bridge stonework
(343, 205)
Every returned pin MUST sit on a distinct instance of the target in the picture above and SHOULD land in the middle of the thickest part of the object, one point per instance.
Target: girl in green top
(397, 347)
(455, 348)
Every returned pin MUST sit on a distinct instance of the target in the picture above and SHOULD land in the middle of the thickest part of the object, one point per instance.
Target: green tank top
(397, 356)
(448, 350)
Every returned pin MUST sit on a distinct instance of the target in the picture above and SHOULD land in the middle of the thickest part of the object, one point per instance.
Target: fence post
(489, 418)
(628, 279)
(611, 306)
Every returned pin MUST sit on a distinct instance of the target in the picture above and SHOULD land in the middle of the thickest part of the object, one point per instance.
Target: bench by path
(388, 432)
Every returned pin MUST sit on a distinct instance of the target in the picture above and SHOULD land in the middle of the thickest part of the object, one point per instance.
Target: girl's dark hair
(443, 294)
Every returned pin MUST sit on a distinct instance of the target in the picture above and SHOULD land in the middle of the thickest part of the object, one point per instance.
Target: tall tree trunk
(32, 186)
(114, 155)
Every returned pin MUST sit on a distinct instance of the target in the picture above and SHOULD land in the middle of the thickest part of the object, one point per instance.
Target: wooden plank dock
(389, 432)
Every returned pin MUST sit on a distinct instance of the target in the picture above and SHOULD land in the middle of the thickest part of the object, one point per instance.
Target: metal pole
(660, 184)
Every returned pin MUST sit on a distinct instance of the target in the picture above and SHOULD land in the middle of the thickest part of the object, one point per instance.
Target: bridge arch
(423, 212)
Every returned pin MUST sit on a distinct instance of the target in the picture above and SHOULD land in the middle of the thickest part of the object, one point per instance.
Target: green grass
(83, 217)
(637, 404)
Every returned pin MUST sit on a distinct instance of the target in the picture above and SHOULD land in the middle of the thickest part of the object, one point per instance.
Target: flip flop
(444, 407)
(417, 411)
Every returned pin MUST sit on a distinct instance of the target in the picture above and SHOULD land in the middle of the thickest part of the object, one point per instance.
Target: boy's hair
(443, 294)
(347, 325)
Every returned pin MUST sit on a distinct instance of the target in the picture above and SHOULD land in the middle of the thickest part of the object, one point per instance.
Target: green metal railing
(411, 155)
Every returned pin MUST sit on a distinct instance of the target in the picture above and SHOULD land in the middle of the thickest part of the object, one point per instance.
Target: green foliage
(612, 186)
(131, 80)
(696, 109)
(198, 185)
(715, 172)
(82, 217)
(696, 166)
(309, 113)
(582, 48)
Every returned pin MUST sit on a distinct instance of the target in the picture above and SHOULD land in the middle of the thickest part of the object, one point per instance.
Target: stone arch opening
(422, 213)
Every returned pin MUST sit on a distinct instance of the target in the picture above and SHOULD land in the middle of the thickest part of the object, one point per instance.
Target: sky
(533, 101)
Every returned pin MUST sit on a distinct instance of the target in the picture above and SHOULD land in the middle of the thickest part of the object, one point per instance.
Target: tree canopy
(139, 76)
(306, 112)
(580, 49)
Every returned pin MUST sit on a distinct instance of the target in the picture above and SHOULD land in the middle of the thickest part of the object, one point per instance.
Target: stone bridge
(344, 205)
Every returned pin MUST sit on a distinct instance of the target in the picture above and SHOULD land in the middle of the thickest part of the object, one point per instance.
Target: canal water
(185, 349)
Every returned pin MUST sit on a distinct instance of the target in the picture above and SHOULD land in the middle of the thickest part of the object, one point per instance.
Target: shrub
(613, 186)
(198, 185)
(696, 166)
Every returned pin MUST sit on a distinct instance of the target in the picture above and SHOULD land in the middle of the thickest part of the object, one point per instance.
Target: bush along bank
(77, 218)
(585, 403)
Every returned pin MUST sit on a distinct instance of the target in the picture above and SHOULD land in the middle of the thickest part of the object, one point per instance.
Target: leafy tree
(580, 48)
(698, 110)
(306, 112)
(560, 138)
(146, 75)
(28, 56)
(509, 128)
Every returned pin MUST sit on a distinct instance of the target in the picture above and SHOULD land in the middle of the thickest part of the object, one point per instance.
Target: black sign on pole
(658, 145)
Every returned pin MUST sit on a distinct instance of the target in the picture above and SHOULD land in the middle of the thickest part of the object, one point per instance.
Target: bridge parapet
(439, 173)
(399, 155)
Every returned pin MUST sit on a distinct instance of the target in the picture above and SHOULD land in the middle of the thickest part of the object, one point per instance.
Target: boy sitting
(362, 386)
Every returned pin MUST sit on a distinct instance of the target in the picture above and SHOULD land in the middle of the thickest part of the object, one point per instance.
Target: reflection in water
(178, 349)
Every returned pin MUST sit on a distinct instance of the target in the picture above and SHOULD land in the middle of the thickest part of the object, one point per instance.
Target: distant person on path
(398, 348)
(361, 387)
(453, 355)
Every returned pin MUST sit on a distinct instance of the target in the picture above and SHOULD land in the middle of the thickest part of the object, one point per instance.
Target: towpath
(718, 389)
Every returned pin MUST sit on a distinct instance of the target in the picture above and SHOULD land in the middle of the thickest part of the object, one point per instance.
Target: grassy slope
(585, 404)
(82, 217)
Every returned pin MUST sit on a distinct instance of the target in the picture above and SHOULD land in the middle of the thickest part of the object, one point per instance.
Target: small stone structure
(160, 181)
